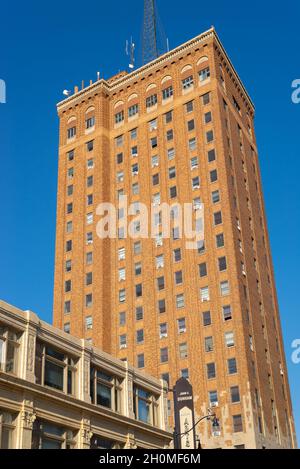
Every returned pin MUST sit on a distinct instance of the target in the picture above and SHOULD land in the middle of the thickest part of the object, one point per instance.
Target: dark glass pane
(55, 354)
(54, 375)
(103, 395)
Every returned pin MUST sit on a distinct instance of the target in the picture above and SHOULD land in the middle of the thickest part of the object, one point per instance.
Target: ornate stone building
(56, 391)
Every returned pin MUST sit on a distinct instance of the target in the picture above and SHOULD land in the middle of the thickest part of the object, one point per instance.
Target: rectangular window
(123, 341)
(192, 144)
(177, 255)
(122, 295)
(90, 145)
(207, 117)
(89, 278)
(67, 307)
(151, 100)
(235, 394)
(122, 318)
(189, 107)
(119, 117)
(160, 283)
(222, 263)
(178, 277)
(89, 300)
(55, 369)
(194, 163)
(196, 183)
(137, 248)
(224, 288)
(9, 351)
(227, 314)
(71, 132)
(161, 306)
(237, 423)
(119, 158)
(229, 339)
(122, 274)
(231, 366)
(168, 117)
(163, 330)
(213, 398)
(88, 322)
(140, 336)
(211, 155)
(138, 268)
(154, 161)
(206, 99)
(90, 163)
(133, 110)
(217, 218)
(206, 317)
(71, 155)
(133, 134)
(69, 245)
(164, 355)
(180, 301)
(167, 92)
(203, 269)
(191, 125)
(220, 240)
(209, 136)
(90, 123)
(181, 325)
(215, 197)
(169, 135)
(68, 286)
(187, 83)
(204, 74)
(69, 227)
(211, 370)
(209, 344)
(89, 218)
(183, 350)
(153, 125)
(141, 360)
(173, 192)
(204, 294)
(139, 290)
(155, 179)
(119, 140)
(171, 154)
(213, 175)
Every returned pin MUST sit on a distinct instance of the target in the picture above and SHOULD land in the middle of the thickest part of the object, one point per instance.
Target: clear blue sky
(49, 46)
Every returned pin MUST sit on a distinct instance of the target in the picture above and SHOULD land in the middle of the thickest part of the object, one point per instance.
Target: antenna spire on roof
(154, 39)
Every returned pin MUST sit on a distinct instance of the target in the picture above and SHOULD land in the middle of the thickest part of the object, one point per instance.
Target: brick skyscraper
(179, 129)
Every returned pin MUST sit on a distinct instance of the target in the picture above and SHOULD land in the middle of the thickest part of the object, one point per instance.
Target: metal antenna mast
(154, 41)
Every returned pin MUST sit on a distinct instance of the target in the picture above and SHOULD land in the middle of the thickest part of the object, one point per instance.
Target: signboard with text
(185, 436)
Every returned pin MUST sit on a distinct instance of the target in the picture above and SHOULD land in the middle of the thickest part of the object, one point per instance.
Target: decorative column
(84, 375)
(27, 418)
(85, 434)
(130, 442)
(128, 393)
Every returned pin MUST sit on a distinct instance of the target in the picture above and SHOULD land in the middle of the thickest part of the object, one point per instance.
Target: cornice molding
(115, 86)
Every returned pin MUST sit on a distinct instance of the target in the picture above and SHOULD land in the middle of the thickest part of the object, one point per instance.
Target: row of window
(58, 370)
(178, 275)
(183, 347)
(167, 93)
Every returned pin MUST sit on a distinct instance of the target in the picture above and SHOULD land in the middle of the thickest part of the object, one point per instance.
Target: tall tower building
(177, 130)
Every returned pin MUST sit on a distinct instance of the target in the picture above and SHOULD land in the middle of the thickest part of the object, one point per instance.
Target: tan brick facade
(263, 399)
